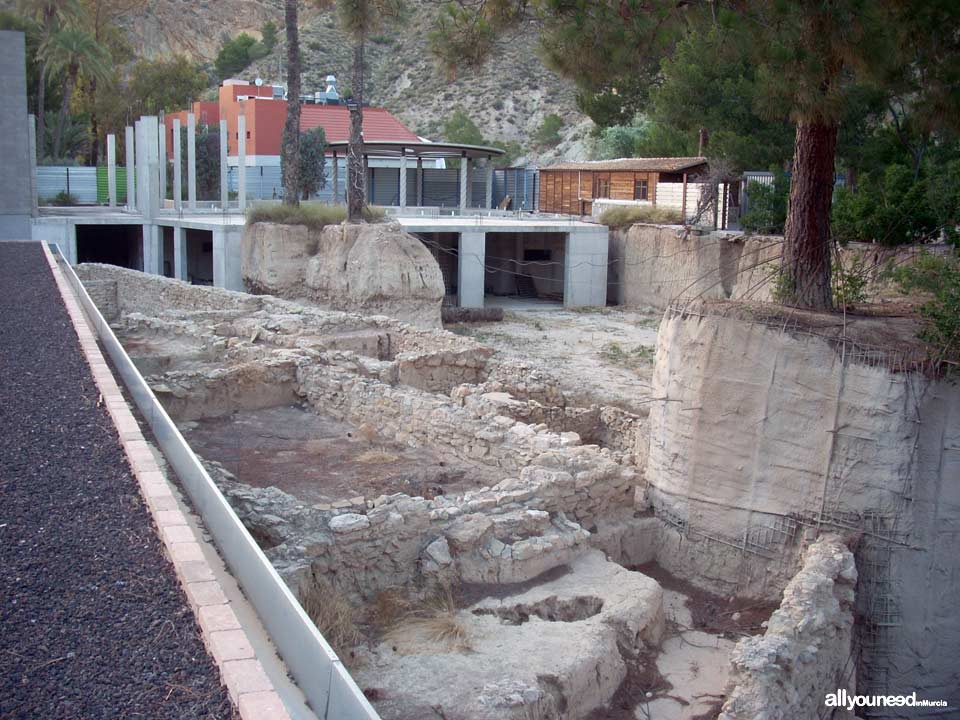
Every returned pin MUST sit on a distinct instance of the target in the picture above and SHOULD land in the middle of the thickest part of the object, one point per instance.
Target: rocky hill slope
(508, 97)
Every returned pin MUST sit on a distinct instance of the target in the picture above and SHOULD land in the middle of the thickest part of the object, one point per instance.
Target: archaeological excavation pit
(494, 546)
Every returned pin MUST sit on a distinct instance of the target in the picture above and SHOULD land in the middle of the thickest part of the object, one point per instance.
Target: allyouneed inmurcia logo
(843, 699)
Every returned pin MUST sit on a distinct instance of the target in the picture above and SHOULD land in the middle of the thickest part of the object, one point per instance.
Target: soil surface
(601, 356)
(318, 459)
(94, 623)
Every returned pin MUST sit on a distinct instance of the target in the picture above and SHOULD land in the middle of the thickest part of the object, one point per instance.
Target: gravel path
(93, 623)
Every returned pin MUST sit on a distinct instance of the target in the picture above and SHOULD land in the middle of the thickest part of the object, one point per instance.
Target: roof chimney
(332, 93)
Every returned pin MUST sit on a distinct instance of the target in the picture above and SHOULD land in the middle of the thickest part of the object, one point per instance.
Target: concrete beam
(224, 193)
(464, 182)
(152, 249)
(177, 167)
(488, 177)
(470, 271)
(242, 161)
(226, 258)
(112, 169)
(162, 160)
(179, 252)
(403, 180)
(191, 161)
(130, 152)
(585, 269)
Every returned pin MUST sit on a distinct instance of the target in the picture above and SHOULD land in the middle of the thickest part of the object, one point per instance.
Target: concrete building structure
(17, 183)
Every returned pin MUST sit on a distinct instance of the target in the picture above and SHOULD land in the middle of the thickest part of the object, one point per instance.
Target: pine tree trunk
(291, 130)
(806, 241)
(355, 170)
(94, 127)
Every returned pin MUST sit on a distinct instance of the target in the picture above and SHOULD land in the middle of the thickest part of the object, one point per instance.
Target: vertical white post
(151, 143)
(488, 200)
(242, 161)
(162, 159)
(403, 179)
(464, 182)
(179, 252)
(139, 169)
(224, 194)
(177, 167)
(112, 169)
(191, 161)
(130, 152)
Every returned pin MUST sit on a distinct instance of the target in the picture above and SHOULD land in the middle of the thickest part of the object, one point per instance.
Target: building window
(603, 188)
(641, 190)
(248, 134)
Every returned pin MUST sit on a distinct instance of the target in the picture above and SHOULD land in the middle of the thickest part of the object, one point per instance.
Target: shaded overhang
(426, 150)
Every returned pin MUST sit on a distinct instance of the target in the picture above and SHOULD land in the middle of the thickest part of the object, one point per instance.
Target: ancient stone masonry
(807, 649)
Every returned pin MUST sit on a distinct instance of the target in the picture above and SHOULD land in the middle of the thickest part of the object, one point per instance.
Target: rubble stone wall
(806, 651)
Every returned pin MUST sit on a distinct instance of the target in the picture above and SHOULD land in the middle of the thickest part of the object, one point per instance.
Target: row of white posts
(146, 156)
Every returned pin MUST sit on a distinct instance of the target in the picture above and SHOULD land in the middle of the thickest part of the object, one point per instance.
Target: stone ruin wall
(765, 437)
(807, 649)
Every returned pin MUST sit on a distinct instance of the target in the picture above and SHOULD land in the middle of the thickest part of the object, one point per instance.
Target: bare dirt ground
(603, 356)
(318, 459)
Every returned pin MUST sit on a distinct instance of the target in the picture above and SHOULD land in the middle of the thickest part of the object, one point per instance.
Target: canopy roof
(396, 148)
(665, 165)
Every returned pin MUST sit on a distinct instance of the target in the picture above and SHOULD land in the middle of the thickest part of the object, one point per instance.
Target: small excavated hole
(551, 609)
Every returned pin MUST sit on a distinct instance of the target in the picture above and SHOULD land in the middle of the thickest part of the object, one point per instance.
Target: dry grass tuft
(433, 628)
(315, 215)
(376, 457)
(630, 214)
(335, 618)
(389, 607)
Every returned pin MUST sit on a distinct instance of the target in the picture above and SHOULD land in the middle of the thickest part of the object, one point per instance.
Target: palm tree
(70, 53)
(290, 149)
(49, 16)
(359, 18)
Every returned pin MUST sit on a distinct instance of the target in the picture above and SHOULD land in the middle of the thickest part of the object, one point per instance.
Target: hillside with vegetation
(164, 53)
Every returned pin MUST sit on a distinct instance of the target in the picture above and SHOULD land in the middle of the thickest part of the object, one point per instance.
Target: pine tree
(290, 148)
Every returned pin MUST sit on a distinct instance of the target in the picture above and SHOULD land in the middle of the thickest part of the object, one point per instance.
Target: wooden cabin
(571, 188)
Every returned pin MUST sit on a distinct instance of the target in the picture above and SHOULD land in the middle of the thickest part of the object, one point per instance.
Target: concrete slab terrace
(584, 245)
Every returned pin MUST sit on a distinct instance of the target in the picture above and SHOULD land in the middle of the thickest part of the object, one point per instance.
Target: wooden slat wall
(562, 190)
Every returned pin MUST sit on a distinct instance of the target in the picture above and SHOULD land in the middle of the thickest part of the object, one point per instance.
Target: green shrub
(624, 215)
(767, 212)
(849, 283)
(314, 215)
(548, 134)
(64, 199)
(891, 210)
(939, 278)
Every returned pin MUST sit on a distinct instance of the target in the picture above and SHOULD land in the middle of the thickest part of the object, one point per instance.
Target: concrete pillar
(179, 252)
(226, 258)
(130, 152)
(224, 194)
(488, 197)
(162, 160)
(148, 163)
(139, 168)
(585, 268)
(419, 182)
(191, 161)
(470, 271)
(464, 182)
(32, 147)
(177, 167)
(242, 161)
(336, 180)
(152, 249)
(403, 180)
(112, 169)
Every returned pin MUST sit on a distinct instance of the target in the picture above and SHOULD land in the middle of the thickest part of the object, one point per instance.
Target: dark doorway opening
(111, 245)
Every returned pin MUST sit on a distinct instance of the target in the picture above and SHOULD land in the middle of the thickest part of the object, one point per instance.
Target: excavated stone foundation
(377, 459)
